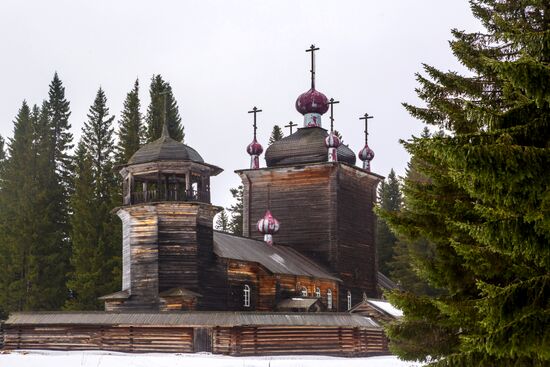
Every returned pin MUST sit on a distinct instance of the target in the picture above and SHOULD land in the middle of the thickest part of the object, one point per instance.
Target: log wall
(326, 213)
(267, 289)
(236, 340)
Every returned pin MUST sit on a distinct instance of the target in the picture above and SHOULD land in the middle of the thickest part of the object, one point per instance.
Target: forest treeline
(60, 245)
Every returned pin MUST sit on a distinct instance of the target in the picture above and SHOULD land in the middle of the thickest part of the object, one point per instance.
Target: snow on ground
(37, 358)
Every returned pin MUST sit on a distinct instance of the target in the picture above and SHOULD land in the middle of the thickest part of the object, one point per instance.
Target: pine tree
(155, 112)
(131, 130)
(95, 230)
(236, 211)
(222, 222)
(276, 134)
(480, 198)
(390, 200)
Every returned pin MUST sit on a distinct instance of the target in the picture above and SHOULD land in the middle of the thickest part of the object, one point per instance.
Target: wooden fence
(236, 341)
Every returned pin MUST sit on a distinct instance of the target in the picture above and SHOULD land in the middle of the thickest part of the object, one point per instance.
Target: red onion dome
(312, 101)
(268, 224)
(332, 141)
(254, 148)
(366, 154)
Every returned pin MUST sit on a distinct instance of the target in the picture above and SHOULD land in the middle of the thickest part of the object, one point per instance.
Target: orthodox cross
(255, 110)
(366, 117)
(332, 103)
(291, 125)
(312, 49)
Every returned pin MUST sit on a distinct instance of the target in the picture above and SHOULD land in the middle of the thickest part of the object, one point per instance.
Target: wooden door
(202, 340)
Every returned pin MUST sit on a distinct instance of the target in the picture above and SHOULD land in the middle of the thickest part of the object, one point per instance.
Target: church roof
(307, 145)
(275, 258)
(165, 149)
(192, 318)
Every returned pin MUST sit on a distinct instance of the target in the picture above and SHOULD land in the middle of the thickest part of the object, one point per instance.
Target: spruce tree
(276, 134)
(389, 200)
(480, 198)
(236, 211)
(95, 230)
(16, 236)
(222, 221)
(131, 129)
(155, 113)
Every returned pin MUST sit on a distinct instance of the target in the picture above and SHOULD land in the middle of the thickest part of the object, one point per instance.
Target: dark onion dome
(268, 224)
(312, 101)
(366, 154)
(332, 141)
(165, 149)
(254, 148)
(307, 145)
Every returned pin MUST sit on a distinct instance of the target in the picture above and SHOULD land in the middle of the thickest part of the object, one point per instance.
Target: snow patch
(386, 307)
(21, 358)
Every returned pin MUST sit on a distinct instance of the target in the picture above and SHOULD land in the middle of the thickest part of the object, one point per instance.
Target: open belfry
(302, 278)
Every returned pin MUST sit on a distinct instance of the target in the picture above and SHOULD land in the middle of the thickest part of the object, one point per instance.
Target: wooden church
(289, 285)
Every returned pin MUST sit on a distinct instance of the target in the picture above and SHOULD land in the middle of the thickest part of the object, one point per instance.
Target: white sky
(224, 57)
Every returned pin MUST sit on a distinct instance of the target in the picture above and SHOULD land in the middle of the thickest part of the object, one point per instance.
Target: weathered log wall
(115, 338)
(267, 290)
(325, 211)
(237, 341)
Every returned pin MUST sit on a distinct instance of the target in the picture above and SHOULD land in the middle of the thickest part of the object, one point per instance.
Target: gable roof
(275, 258)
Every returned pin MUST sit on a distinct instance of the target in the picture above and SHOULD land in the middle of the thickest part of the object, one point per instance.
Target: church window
(329, 299)
(304, 292)
(318, 292)
(349, 300)
(246, 295)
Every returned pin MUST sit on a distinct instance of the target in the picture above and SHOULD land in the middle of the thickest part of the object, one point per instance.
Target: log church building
(301, 279)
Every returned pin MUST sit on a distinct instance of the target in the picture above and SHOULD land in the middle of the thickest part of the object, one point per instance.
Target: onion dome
(165, 149)
(366, 154)
(312, 101)
(332, 141)
(307, 145)
(254, 148)
(268, 224)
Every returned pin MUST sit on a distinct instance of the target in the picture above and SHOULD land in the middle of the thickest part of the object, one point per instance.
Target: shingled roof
(307, 145)
(165, 149)
(275, 258)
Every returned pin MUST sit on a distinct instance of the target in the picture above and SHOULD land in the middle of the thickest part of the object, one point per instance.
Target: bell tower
(167, 248)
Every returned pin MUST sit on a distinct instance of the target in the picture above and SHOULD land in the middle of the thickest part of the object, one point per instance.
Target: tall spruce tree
(16, 240)
(236, 211)
(95, 230)
(131, 130)
(389, 200)
(276, 134)
(155, 112)
(481, 198)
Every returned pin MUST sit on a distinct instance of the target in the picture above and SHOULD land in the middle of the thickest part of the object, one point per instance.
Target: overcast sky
(224, 57)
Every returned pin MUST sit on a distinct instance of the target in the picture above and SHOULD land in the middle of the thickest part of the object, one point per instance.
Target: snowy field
(111, 359)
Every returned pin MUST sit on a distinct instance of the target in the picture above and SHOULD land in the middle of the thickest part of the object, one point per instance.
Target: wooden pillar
(130, 186)
(144, 188)
(187, 184)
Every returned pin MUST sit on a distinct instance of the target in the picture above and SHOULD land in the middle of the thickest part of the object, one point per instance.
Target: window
(318, 292)
(329, 299)
(246, 292)
(304, 292)
(349, 300)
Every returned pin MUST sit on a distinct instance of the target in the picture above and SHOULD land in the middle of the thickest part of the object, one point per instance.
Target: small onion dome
(254, 148)
(366, 154)
(312, 101)
(268, 224)
(332, 141)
